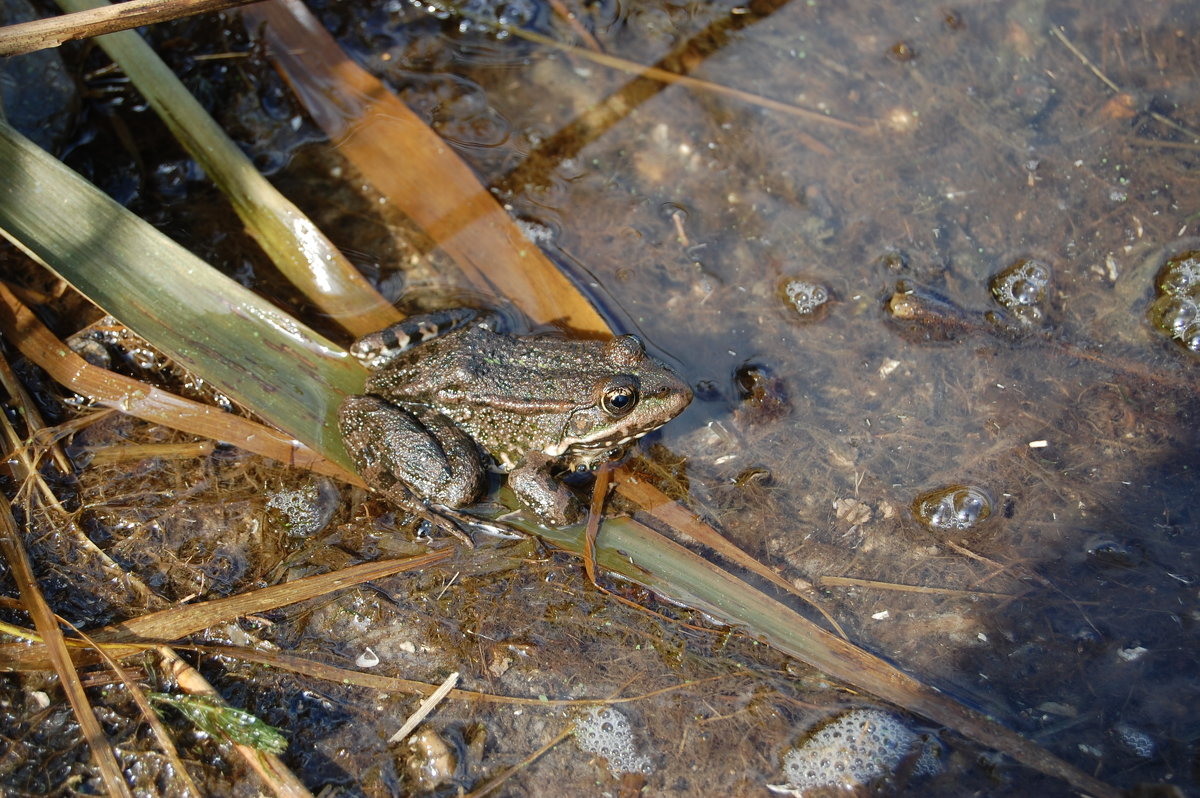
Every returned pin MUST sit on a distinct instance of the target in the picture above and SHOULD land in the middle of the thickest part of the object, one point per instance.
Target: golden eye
(618, 400)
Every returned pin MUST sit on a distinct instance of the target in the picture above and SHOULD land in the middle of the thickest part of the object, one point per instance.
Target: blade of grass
(148, 403)
(177, 622)
(28, 411)
(47, 626)
(290, 239)
(416, 169)
(247, 348)
(180, 621)
(682, 520)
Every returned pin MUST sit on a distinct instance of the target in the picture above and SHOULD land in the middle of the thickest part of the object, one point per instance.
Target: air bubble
(1176, 311)
(1134, 740)
(956, 508)
(307, 509)
(607, 732)
(1104, 551)
(856, 748)
(1021, 290)
(807, 298)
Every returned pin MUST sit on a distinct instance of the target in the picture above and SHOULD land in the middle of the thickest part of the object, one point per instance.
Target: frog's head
(634, 394)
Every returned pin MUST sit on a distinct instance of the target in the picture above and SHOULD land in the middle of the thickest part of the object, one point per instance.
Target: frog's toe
(553, 503)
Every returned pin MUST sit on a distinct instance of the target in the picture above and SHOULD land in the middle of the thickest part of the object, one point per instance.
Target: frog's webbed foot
(438, 517)
(552, 501)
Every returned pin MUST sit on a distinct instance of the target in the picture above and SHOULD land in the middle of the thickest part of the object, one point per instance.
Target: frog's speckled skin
(530, 402)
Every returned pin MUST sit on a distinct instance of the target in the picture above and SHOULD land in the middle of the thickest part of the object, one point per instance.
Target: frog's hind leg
(377, 349)
(412, 455)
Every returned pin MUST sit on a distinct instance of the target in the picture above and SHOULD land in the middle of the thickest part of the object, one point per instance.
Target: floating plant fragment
(954, 508)
(224, 722)
(1176, 311)
(606, 731)
(854, 749)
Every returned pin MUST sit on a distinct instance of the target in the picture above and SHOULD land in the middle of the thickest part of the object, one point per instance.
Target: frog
(452, 394)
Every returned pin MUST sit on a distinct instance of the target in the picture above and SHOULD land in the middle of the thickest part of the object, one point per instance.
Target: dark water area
(933, 275)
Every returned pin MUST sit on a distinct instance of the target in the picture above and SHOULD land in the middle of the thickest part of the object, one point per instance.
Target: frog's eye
(618, 399)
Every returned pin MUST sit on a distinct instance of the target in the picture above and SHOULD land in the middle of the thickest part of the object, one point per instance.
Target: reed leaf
(298, 249)
(262, 357)
(417, 170)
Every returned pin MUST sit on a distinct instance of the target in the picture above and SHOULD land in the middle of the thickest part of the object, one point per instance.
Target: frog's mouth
(588, 455)
(595, 434)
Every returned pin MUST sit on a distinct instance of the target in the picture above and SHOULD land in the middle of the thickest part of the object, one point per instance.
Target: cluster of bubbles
(483, 16)
(1134, 740)
(1176, 311)
(1021, 289)
(805, 297)
(955, 508)
(308, 509)
(854, 749)
(605, 731)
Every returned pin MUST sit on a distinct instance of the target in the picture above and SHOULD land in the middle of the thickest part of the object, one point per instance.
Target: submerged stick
(42, 34)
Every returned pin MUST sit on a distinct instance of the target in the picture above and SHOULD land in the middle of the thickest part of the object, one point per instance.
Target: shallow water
(988, 238)
(978, 451)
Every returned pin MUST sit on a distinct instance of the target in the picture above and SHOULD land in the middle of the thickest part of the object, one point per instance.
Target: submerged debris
(429, 761)
(926, 315)
(762, 393)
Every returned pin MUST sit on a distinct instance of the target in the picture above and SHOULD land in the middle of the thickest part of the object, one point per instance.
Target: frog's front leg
(404, 451)
(552, 501)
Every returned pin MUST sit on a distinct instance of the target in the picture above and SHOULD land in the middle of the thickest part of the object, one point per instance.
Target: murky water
(1019, 201)
(979, 447)
(1023, 201)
